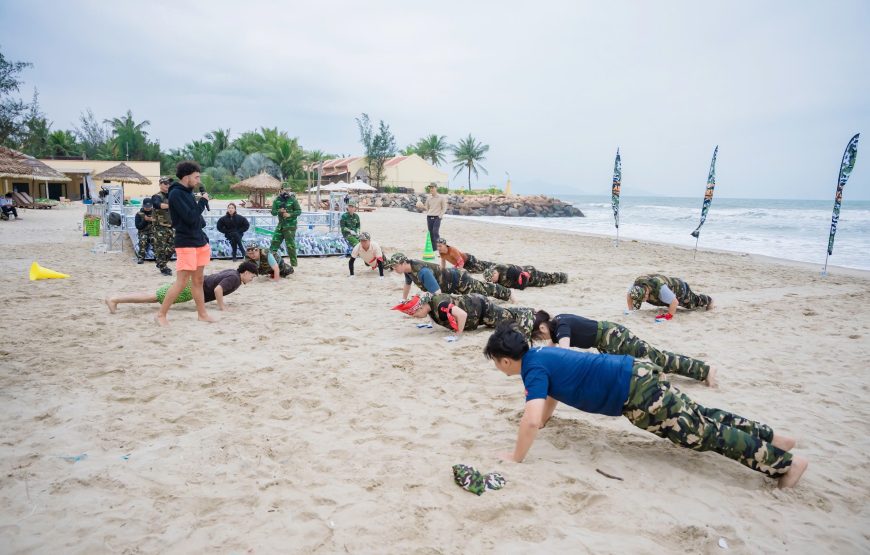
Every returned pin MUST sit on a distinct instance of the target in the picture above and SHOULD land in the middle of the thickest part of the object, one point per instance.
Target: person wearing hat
(267, 263)
(370, 252)
(466, 312)
(164, 235)
(350, 225)
(618, 385)
(145, 229)
(520, 277)
(287, 208)
(436, 207)
(570, 330)
(459, 259)
(430, 277)
(660, 290)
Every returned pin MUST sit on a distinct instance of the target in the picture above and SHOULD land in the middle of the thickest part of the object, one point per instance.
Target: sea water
(790, 229)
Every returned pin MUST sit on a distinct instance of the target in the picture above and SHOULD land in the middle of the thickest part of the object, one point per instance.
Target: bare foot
(783, 442)
(206, 318)
(111, 304)
(711, 378)
(161, 320)
(710, 304)
(793, 476)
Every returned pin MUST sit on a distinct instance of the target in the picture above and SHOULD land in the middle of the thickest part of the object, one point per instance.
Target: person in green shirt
(287, 208)
(350, 224)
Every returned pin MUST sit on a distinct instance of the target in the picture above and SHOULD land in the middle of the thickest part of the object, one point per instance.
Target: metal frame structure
(113, 236)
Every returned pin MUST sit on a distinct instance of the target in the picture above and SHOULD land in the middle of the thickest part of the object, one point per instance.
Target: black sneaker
(140, 261)
(166, 271)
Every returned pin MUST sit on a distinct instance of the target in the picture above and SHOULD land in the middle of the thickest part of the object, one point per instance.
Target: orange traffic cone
(38, 272)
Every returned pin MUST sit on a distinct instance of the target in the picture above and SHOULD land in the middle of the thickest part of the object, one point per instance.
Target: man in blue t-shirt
(616, 385)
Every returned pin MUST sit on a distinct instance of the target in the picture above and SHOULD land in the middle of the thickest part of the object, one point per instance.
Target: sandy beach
(312, 419)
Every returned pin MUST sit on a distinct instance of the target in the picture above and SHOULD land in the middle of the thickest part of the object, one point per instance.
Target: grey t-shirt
(229, 280)
(666, 295)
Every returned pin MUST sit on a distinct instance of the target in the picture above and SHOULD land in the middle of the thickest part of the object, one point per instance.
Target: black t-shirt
(229, 280)
(582, 331)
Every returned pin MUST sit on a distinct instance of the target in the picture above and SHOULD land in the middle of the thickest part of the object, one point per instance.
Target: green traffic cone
(428, 253)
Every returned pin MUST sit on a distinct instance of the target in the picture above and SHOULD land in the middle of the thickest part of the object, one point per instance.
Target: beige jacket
(436, 206)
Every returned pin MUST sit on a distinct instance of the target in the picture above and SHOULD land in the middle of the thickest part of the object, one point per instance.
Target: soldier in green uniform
(267, 263)
(466, 312)
(287, 208)
(434, 279)
(145, 229)
(660, 290)
(520, 277)
(164, 235)
(570, 330)
(350, 224)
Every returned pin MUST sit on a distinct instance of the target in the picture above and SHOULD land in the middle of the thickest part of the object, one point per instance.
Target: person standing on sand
(660, 290)
(436, 207)
(349, 225)
(617, 385)
(191, 243)
(214, 286)
(570, 330)
(164, 235)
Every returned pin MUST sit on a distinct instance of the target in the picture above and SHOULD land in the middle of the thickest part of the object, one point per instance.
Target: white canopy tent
(360, 186)
(340, 186)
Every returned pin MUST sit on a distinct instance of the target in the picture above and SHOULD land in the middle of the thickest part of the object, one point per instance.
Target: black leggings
(235, 240)
(351, 260)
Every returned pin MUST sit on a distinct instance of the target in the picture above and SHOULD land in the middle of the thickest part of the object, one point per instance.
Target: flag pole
(698, 238)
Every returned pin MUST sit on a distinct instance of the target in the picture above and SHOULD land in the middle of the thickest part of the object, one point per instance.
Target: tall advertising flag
(708, 198)
(614, 192)
(846, 167)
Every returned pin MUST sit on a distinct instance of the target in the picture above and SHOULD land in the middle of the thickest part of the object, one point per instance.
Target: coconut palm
(220, 139)
(432, 149)
(467, 155)
(63, 143)
(130, 139)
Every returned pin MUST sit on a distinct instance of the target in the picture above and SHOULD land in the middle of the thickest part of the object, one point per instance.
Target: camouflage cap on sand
(636, 293)
(365, 236)
(397, 258)
(489, 273)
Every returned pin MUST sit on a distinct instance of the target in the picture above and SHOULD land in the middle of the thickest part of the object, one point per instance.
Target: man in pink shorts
(192, 251)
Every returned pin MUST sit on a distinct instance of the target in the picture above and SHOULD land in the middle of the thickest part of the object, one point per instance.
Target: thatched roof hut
(122, 173)
(258, 186)
(18, 165)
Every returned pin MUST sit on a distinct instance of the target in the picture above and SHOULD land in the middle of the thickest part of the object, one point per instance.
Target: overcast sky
(552, 87)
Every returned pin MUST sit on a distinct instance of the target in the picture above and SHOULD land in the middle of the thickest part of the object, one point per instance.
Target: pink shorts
(191, 258)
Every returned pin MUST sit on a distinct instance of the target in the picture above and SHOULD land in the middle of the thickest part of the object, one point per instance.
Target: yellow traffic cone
(428, 253)
(38, 272)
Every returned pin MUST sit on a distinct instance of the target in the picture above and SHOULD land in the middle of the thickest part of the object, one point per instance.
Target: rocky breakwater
(528, 206)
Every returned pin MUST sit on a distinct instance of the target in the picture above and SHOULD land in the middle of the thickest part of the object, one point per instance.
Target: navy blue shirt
(582, 331)
(592, 383)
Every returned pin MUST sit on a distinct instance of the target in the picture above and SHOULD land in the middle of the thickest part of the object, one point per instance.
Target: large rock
(532, 206)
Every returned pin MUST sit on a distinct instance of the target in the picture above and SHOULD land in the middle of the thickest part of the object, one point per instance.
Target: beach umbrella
(360, 186)
(614, 192)
(122, 173)
(708, 198)
(846, 166)
(258, 186)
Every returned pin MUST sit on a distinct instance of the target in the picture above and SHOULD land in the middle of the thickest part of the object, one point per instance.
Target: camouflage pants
(688, 299)
(543, 279)
(164, 239)
(475, 266)
(146, 236)
(618, 340)
(467, 284)
(286, 235)
(351, 239)
(656, 406)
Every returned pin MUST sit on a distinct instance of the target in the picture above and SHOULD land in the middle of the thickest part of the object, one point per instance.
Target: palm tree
(128, 137)
(313, 158)
(432, 149)
(63, 143)
(467, 154)
(220, 139)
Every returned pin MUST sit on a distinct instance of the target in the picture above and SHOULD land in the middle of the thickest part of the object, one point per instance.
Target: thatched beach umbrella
(122, 173)
(12, 164)
(258, 186)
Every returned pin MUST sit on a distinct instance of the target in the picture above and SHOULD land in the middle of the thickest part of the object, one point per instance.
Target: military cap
(397, 258)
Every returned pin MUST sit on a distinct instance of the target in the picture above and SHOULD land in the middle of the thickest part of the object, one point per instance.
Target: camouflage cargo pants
(164, 245)
(618, 340)
(351, 239)
(656, 406)
(690, 300)
(286, 235)
(146, 236)
(475, 266)
(467, 284)
(542, 279)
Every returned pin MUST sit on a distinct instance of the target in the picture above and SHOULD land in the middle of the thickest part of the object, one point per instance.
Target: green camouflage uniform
(350, 228)
(685, 296)
(475, 265)
(146, 235)
(456, 280)
(481, 311)
(263, 267)
(164, 235)
(509, 274)
(286, 230)
(656, 406)
(618, 340)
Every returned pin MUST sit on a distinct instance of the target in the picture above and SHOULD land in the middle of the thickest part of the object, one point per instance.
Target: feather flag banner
(614, 191)
(708, 198)
(846, 167)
